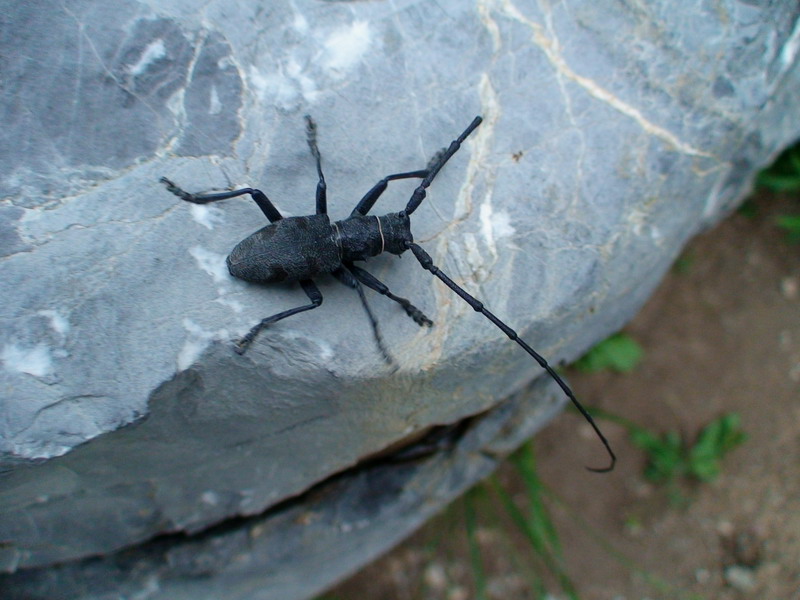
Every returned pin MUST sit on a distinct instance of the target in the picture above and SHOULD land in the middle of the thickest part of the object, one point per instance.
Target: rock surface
(299, 547)
(610, 136)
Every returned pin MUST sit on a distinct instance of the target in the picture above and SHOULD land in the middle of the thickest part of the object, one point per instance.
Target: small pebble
(789, 288)
(702, 576)
(740, 578)
(435, 577)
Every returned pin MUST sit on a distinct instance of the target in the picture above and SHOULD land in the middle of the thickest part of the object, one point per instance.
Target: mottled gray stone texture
(129, 429)
(299, 547)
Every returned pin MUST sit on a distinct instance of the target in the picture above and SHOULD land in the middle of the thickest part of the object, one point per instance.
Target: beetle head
(396, 229)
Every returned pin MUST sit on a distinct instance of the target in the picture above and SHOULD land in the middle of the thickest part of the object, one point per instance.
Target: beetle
(302, 248)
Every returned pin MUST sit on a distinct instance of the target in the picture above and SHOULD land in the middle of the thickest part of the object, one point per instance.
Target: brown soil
(721, 335)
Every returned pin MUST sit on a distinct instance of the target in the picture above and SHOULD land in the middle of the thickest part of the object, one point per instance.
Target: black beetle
(301, 248)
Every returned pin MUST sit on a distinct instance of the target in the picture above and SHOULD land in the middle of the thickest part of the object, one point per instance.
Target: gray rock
(611, 136)
(298, 547)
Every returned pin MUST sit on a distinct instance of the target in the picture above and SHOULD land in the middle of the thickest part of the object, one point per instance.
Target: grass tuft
(620, 353)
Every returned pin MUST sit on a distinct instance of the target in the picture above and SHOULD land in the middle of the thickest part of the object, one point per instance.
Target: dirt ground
(722, 334)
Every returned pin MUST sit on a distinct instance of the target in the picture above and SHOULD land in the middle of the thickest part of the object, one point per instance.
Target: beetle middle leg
(313, 293)
(346, 277)
(260, 198)
(369, 280)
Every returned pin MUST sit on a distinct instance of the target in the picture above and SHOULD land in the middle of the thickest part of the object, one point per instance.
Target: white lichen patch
(288, 83)
(259, 82)
(175, 104)
(642, 225)
(285, 87)
(58, 322)
(207, 216)
(214, 103)
(34, 361)
(791, 48)
(656, 235)
(234, 305)
(474, 257)
(196, 342)
(300, 23)
(345, 47)
(154, 51)
(495, 225)
(211, 262)
(325, 350)
(190, 352)
(215, 265)
(209, 497)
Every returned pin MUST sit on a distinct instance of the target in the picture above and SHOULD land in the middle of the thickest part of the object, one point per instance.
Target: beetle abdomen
(291, 249)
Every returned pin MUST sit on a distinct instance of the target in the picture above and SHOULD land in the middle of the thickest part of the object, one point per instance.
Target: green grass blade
(654, 581)
(784, 174)
(791, 225)
(532, 533)
(524, 461)
(620, 353)
(476, 561)
(714, 441)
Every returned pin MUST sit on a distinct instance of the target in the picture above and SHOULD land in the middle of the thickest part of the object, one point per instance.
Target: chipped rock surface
(611, 135)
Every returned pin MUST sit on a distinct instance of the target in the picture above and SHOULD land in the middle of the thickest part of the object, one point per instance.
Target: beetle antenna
(427, 264)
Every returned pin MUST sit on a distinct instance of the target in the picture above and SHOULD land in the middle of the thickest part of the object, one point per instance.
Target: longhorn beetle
(300, 248)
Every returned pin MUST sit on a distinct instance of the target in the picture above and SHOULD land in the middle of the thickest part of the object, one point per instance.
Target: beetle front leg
(313, 293)
(441, 158)
(371, 197)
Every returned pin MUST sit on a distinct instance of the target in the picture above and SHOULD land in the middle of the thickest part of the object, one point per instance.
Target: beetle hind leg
(313, 293)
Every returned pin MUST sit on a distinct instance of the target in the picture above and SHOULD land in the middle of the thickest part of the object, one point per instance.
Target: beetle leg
(369, 280)
(368, 201)
(260, 198)
(313, 293)
(311, 135)
(419, 194)
(347, 278)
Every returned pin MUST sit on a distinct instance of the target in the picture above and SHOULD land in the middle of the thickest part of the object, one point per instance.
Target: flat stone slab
(301, 546)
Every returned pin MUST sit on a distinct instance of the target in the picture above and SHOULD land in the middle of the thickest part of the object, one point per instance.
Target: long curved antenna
(427, 264)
